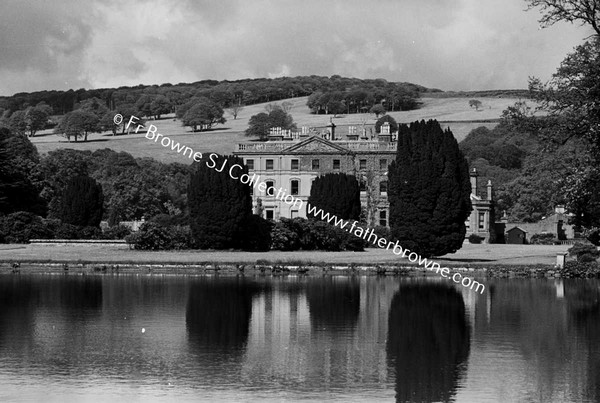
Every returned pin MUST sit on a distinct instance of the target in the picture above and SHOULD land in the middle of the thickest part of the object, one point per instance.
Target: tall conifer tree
(337, 194)
(429, 190)
(220, 207)
(81, 202)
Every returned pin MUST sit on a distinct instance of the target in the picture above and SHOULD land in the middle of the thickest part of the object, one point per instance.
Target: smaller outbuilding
(516, 235)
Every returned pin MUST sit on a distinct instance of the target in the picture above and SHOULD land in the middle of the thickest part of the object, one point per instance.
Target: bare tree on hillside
(287, 106)
(235, 110)
(582, 11)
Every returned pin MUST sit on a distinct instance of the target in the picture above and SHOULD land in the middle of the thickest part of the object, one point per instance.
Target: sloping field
(452, 112)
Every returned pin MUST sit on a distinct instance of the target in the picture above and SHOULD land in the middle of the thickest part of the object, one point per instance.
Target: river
(145, 338)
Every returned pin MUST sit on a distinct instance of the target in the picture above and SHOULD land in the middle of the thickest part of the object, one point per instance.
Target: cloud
(41, 44)
(463, 44)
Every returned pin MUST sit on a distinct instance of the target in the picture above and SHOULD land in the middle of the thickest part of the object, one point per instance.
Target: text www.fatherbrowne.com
(352, 227)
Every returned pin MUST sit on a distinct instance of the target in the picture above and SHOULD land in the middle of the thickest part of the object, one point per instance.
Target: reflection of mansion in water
(292, 160)
(314, 336)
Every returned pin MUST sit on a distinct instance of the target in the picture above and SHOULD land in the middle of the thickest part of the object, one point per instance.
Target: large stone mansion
(292, 160)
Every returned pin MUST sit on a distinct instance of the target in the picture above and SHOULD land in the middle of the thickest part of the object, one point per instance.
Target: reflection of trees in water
(18, 298)
(218, 313)
(81, 293)
(428, 342)
(583, 298)
(334, 303)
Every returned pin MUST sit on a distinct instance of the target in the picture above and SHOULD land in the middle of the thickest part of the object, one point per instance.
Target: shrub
(580, 269)
(152, 236)
(180, 237)
(354, 243)
(66, 231)
(593, 236)
(579, 250)
(22, 226)
(586, 258)
(299, 233)
(383, 232)
(116, 232)
(89, 232)
(542, 239)
(70, 231)
(323, 236)
(283, 238)
(474, 238)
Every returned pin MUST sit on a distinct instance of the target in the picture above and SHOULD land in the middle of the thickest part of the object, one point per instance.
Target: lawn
(480, 255)
(452, 112)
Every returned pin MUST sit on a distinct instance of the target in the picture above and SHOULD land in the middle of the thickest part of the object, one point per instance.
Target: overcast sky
(447, 44)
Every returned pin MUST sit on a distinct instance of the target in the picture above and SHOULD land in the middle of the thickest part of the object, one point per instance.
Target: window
(336, 165)
(295, 187)
(383, 186)
(293, 213)
(362, 186)
(468, 224)
(383, 218)
(269, 214)
(481, 220)
(383, 165)
(269, 165)
(315, 165)
(250, 164)
(362, 164)
(295, 165)
(270, 188)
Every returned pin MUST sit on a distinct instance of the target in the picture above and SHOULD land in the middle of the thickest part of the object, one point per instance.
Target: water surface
(88, 338)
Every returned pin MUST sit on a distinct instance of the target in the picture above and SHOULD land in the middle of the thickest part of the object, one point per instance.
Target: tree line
(373, 96)
(226, 94)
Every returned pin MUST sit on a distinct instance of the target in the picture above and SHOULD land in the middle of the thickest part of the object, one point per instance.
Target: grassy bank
(471, 255)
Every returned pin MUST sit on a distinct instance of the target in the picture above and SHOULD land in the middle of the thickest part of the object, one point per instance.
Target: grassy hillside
(452, 112)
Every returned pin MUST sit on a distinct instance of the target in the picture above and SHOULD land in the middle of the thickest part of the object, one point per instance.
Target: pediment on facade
(316, 144)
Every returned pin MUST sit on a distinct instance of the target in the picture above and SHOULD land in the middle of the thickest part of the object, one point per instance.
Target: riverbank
(474, 260)
(470, 255)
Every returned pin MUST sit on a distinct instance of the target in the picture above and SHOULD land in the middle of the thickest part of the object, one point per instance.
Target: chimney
(489, 190)
(474, 182)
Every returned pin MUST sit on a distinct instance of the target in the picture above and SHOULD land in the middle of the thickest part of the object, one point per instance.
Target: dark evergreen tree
(429, 190)
(81, 202)
(219, 206)
(337, 194)
(18, 170)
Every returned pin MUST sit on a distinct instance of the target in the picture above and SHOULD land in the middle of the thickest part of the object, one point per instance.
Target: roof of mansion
(315, 144)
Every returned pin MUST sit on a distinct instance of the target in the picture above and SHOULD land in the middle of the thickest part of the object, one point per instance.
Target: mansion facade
(293, 160)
